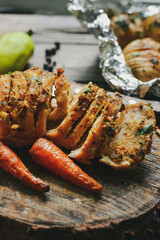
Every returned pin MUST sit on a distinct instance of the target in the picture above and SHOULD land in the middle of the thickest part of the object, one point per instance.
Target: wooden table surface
(79, 57)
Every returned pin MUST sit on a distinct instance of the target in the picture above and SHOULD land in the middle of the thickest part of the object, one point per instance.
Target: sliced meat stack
(25, 99)
(92, 123)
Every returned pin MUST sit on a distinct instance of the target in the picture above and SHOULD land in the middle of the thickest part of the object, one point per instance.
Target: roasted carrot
(12, 164)
(47, 154)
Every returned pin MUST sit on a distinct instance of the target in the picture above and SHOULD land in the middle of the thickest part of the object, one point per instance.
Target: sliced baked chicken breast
(76, 111)
(5, 125)
(63, 97)
(133, 140)
(103, 124)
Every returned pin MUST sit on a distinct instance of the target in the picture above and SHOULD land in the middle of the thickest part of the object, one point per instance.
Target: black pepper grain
(48, 52)
(57, 44)
(50, 69)
(48, 60)
(45, 66)
(53, 51)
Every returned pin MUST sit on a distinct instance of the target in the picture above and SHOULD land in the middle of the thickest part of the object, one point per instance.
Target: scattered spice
(45, 66)
(50, 68)
(48, 60)
(54, 63)
(49, 53)
(154, 60)
(53, 51)
(57, 44)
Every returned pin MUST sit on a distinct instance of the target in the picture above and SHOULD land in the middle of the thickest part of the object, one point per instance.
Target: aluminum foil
(92, 14)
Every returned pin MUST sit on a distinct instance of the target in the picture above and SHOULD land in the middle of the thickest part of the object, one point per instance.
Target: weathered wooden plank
(125, 195)
(71, 58)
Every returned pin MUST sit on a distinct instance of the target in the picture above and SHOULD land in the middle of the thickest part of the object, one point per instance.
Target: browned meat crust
(77, 108)
(133, 139)
(93, 124)
(29, 95)
(63, 95)
(103, 124)
(4, 108)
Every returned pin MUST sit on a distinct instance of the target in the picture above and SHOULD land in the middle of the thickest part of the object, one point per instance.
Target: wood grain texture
(127, 209)
(126, 195)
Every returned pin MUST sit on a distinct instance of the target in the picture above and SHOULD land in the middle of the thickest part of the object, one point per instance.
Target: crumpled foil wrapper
(92, 14)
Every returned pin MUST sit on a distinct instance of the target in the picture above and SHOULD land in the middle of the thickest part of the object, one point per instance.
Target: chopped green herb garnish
(150, 25)
(149, 104)
(140, 34)
(143, 69)
(39, 83)
(136, 54)
(122, 24)
(10, 73)
(145, 130)
(132, 18)
(46, 105)
(36, 78)
(86, 90)
(27, 79)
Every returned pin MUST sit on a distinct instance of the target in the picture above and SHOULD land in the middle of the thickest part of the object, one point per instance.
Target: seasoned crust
(96, 135)
(133, 139)
(63, 97)
(78, 107)
(29, 92)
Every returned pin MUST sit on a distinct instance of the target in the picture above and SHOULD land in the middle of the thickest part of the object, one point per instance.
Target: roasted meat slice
(63, 97)
(46, 82)
(16, 104)
(87, 120)
(76, 111)
(133, 140)
(28, 97)
(4, 98)
(93, 124)
(103, 125)
(33, 92)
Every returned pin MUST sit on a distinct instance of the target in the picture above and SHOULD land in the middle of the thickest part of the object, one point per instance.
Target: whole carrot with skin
(12, 164)
(47, 154)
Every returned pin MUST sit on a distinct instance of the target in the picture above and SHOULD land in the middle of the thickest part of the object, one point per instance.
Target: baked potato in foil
(143, 57)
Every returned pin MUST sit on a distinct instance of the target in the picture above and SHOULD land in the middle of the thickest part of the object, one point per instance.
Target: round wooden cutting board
(125, 209)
